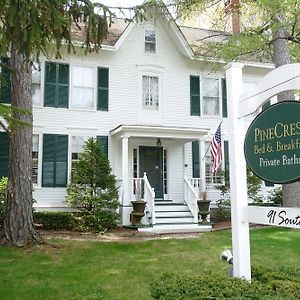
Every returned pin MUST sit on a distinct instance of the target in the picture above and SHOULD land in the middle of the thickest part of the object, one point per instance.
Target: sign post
(266, 154)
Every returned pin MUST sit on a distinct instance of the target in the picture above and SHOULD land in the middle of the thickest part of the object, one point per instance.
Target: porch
(153, 164)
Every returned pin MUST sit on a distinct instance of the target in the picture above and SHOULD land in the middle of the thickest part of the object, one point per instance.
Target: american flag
(216, 151)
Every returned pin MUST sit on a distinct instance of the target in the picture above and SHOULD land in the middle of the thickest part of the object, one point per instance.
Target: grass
(121, 271)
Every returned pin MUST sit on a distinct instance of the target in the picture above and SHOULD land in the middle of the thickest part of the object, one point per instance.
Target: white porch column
(125, 180)
(238, 176)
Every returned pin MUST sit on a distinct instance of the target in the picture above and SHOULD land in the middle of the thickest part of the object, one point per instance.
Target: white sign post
(281, 79)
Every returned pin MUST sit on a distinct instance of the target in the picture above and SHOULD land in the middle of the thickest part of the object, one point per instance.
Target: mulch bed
(121, 234)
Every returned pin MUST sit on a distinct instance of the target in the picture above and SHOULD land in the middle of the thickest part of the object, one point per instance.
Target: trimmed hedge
(75, 220)
(265, 285)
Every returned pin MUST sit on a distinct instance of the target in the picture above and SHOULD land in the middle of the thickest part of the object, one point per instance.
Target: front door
(151, 162)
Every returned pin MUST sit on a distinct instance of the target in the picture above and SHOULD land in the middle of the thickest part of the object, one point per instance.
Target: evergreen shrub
(93, 190)
(269, 285)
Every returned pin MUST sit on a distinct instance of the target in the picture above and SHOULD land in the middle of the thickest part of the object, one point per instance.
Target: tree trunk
(18, 228)
(281, 57)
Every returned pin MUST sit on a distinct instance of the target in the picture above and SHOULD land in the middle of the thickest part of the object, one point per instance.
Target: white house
(152, 103)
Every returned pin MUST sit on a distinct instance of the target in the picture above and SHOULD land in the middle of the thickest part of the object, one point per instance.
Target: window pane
(83, 76)
(150, 92)
(210, 106)
(36, 94)
(210, 87)
(150, 41)
(83, 98)
(150, 35)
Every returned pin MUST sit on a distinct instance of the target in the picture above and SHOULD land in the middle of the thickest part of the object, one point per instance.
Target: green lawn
(82, 270)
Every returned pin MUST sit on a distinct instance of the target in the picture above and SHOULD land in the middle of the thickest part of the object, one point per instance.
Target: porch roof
(148, 131)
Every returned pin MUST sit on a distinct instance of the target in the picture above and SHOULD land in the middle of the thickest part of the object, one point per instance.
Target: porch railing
(143, 190)
(191, 195)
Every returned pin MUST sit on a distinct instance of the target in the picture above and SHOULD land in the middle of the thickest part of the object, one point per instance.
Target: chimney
(233, 16)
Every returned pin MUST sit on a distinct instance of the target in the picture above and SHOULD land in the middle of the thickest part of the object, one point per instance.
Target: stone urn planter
(203, 206)
(138, 212)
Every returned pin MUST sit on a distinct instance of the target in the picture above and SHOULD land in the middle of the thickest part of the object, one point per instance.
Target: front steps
(174, 218)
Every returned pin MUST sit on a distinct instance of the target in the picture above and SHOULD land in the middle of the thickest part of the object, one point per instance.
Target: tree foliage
(93, 187)
(259, 19)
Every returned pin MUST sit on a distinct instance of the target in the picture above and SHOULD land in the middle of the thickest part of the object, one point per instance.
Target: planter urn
(203, 206)
(138, 212)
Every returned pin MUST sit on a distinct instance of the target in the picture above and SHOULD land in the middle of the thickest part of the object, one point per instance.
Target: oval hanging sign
(272, 143)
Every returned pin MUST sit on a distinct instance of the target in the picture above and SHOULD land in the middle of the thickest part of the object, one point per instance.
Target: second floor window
(150, 92)
(210, 97)
(83, 87)
(150, 41)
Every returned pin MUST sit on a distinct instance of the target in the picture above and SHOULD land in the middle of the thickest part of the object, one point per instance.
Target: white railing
(149, 196)
(191, 195)
(144, 191)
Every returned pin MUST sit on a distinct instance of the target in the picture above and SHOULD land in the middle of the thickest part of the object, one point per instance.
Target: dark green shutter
(56, 85)
(50, 84)
(4, 152)
(226, 161)
(103, 83)
(196, 159)
(55, 160)
(103, 142)
(63, 85)
(266, 104)
(224, 98)
(195, 95)
(5, 92)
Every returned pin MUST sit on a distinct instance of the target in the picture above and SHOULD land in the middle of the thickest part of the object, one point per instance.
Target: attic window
(150, 41)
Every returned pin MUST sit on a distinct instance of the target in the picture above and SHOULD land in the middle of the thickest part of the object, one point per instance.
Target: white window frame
(150, 42)
(202, 79)
(73, 87)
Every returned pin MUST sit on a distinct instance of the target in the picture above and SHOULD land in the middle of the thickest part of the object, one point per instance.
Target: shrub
(275, 196)
(55, 220)
(3, 186)
(207, 286)
(93, 189)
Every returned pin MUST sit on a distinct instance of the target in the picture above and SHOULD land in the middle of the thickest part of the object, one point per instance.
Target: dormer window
(150, 41)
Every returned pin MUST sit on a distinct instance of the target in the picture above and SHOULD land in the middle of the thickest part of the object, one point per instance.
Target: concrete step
(177, 228)
(174, 220)
(174, 214)
(177, 207)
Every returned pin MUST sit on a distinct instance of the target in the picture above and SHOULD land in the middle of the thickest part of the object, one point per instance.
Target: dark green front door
(151, 162)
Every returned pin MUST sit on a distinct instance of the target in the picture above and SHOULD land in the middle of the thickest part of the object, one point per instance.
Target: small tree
(93, 188)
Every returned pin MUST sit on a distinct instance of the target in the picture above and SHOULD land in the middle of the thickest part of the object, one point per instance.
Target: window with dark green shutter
(195, 95)
(103, 82)
(196, 159)
(55, 160)
(103, 142)
(56, 85)
(224, 98)
(226, 160)
(4, 152)
(5, 81)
